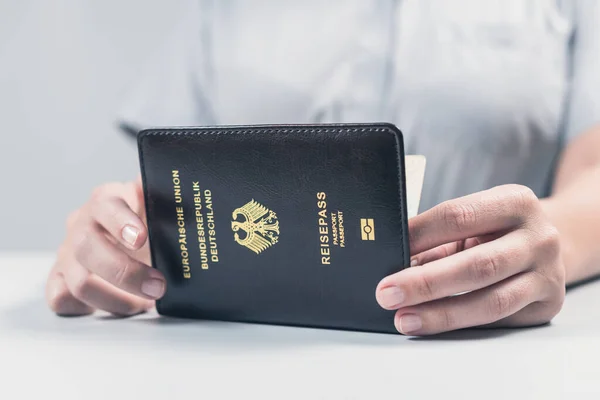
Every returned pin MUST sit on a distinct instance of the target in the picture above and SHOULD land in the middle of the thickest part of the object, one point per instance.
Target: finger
(469, 270)
(472, 309)
(497, 209)
(437, 253)
(137, 202)
(97, 293)
(114, 215)
(538, 313)
(449, 249)
(60, 299)
(94, 252)
(142, 254)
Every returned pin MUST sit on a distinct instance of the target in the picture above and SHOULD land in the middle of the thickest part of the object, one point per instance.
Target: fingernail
(391, 296)
(409, 323)
(130, 234)
(154, 288)
(414, 262)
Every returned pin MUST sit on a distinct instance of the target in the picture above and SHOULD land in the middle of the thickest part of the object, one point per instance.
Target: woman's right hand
(104, 262)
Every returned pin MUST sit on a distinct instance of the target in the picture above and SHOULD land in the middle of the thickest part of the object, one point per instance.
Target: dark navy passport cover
(287, 224)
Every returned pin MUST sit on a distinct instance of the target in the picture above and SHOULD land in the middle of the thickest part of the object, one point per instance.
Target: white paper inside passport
(415, 174)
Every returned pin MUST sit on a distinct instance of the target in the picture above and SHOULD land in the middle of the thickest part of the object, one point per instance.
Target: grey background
(65, 66)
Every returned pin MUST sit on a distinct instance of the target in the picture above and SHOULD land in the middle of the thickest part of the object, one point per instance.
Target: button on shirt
(490, 91)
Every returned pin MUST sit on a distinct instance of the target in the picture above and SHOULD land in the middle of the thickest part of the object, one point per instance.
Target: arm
(574, 206)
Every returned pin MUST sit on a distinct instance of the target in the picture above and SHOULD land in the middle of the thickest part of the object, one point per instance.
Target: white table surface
(151, 357)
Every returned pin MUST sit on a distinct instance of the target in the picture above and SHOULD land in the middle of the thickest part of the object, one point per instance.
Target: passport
(278, 224)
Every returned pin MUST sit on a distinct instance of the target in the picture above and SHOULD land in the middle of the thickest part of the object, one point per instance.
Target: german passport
(278, 224)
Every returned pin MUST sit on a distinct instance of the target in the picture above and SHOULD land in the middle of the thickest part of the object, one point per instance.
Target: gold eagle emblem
(260, 225)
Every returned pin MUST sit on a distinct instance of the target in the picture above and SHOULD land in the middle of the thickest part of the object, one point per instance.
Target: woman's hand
(104, 260)
(496, 245)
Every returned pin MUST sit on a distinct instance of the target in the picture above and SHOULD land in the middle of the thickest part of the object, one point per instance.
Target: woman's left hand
(498, 246)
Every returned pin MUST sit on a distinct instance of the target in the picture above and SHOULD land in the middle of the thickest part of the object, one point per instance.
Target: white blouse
(489, 91)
